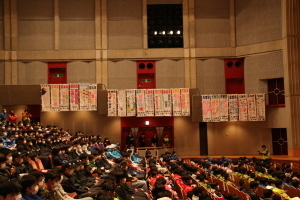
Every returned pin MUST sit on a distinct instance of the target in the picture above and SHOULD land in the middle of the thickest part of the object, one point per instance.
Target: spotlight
(171, 32)
(164, 32)
(155, 32)
(178, 32)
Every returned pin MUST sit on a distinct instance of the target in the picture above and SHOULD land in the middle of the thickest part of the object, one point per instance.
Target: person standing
(12, 117)
(166, 140)
(265, 152)
(26, 117)
(154, 140)
(129, 140)
(142, 140)
(3, 115)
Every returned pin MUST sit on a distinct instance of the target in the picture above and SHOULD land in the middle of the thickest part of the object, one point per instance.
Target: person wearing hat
(69, 182)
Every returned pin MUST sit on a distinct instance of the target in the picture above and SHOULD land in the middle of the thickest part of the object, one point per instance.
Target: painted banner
(215, 108)
(74, 97)
(158, 102)
(121, 103)
(233, 107)
(46, 101)
(223, 107)
(140, 103)
(185, 102)
(55, 97)
(261, 107)
(206, 108)
(130, 103)
(243, 108)
(64, 97)
(251, 107)
(167, 105)
(176, 102)
(149, 102)
(84, 96)
(112, 103)
(93, 97)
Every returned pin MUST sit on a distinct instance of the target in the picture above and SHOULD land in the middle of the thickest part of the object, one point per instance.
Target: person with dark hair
(265, 153)
(214, 189)
(268, 194)
(142, 140)
(4, 173)
(154, 140)
(39, 177)
(9, 141)
(166, 140)
(29, 188)
(279, 189)
(164, 195)
(129, 140)
(10, 191)
(12, 117)
(241, 186)
(55, 157)
(252, 191)
(52, 180)
(26, 117)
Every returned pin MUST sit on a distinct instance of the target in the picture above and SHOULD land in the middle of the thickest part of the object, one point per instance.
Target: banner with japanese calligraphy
(130, 103)
(243, 108)
(55, 97)
(215, 108)
(176, 102)
(121, 103)
(185, 101)
(46, 101)
(64, 97)
(84, 96)
(93, 97)
(140, 103)
(233, 107)
(251, 101)
(167, 97)
(260, 105)
(74, 97)
(223, 107)
(206, 108)
(149, 102)
(112, 102)
(158, 102)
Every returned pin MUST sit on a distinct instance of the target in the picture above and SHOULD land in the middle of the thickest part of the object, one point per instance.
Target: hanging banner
(206, 108)
(176, 102)
(233, 107)
(93, 97)
(185, 101)
(149, 102)
(261, 107)
(167, 97)
(55, 97)
(46, 102)
(130, 103)
(215, 108)
(243, 108)
(64, 97)
(84, 96)
(223, 107)
(74, 97)
(140, 103)
(251, 107)
(121, 103)
(158, 102)
(112, 103)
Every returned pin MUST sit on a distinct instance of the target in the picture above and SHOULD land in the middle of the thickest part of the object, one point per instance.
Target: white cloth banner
(176, 102)
(130, 102)
(158, 102)
(112, 102)
(64, 97)
(233, 107)
(140, 103)
(55, 97)
(46, 101)
(261, 107)
(215, 108)
(149, 102)
(185, 101)
(74, 97)
(122, 103)
(251, 107)
(93, 97)
(206, 108)
(84, 96)
(167, 97)
(243, 108)
(223, 107)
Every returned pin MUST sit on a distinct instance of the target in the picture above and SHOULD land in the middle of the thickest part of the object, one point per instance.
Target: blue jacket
(9, 143)
(34, 197)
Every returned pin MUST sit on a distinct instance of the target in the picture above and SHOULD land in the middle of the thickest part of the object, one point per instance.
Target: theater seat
(73, 195)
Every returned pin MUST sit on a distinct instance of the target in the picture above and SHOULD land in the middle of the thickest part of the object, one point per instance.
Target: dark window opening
(276, 92)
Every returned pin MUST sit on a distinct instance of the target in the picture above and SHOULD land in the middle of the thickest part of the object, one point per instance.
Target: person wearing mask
(30, 188)
(9, 141)
(10, 191)
(26, 117)
(154, 140)
(4, 173)
(3, 115)
(12, 117)
(142, 140)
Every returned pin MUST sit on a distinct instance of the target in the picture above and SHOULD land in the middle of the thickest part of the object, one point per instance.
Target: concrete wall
(257, 21)
(212, 23)
(2, 73)
(81, 72)
(32, 73)
(210, 76)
